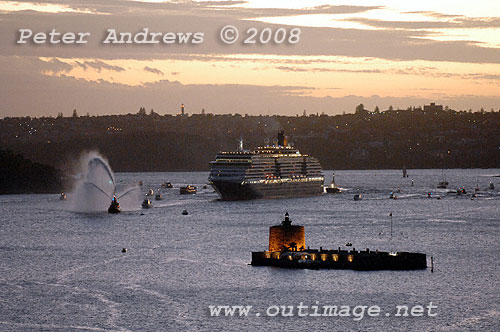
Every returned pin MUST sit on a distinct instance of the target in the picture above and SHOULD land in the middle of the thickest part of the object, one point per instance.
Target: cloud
(399, 44)
(99, 66)
(153, 70)
(55, 66)
(458, 22)
(338, 70)
(427, 71)
(225, 9)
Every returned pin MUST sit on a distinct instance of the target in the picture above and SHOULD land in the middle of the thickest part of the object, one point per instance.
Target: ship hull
(231, 191)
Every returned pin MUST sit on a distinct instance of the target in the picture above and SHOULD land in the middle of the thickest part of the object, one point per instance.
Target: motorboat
(158, 195)
(189, 189)
(151, 192)
(63, 197)
(357, 197)
(146, 204)
(167, 185)
(115, 206)
(185, 212)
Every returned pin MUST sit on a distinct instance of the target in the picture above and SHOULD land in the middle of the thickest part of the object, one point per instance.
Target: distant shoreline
(428, 138)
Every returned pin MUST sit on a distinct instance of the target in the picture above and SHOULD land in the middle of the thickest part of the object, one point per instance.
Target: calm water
(64, 271)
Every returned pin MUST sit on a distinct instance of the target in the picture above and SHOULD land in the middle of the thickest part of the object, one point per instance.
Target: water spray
(96, 182)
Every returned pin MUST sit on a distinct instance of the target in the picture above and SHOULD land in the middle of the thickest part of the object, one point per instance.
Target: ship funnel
(240, 145)
(282, 138)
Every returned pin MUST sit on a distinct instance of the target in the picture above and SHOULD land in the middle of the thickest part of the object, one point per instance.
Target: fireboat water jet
(97, 177)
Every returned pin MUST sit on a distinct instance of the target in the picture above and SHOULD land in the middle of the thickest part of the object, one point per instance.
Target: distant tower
(182, 109)
(286, 236)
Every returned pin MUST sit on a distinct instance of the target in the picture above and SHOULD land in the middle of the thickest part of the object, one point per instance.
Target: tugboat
(333, 188)
(187, 190)
(158, 195)
(114, 207)
(146, 204)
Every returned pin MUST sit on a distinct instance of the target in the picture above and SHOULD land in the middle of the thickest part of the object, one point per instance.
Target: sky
(375, 52)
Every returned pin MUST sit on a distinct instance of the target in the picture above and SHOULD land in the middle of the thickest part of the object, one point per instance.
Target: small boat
(492, 186)
(348, 244)
(189, 189)
(443, 184)
(114, 207)
(461, 191)
(333, 188)
(151, 192)
(158, 195)
(166, 185)
(63, 197)
(477, 185)
(146, 204)
(357, 197)
(185, 212)
(392, 196)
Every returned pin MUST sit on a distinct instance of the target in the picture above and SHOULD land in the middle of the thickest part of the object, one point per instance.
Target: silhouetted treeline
(20, 176)
(415, 138)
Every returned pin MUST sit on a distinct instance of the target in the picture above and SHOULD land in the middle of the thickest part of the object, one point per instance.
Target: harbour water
(64, 271)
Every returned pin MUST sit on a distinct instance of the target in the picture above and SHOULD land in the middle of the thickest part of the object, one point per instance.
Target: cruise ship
(275, 171)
